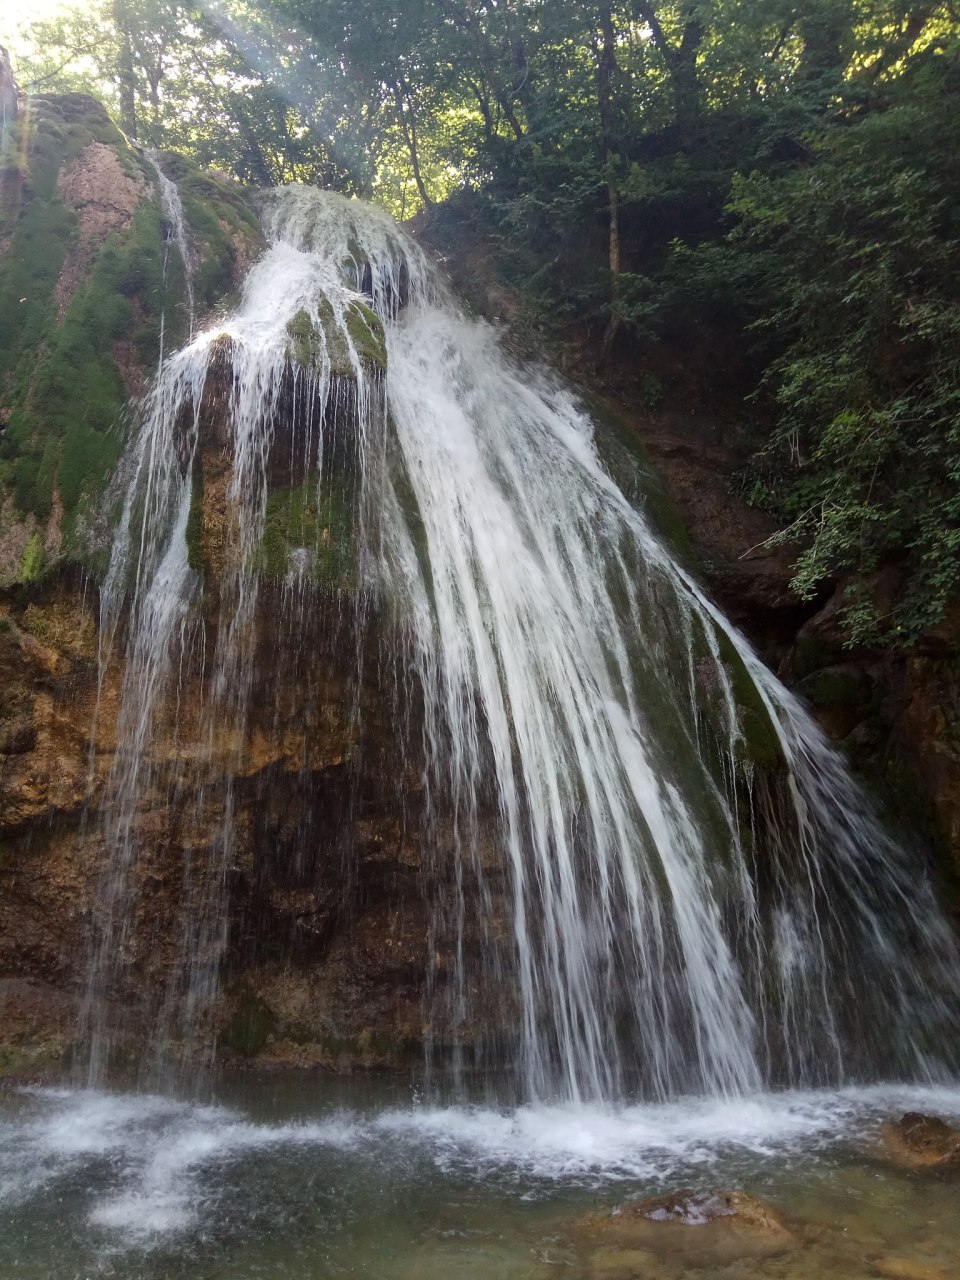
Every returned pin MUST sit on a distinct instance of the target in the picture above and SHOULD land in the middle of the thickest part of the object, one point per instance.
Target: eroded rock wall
(324, 889)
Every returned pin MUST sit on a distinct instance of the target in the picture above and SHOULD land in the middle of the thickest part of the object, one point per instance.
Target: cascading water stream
(664, 881)
(566, 656)
(172, 208)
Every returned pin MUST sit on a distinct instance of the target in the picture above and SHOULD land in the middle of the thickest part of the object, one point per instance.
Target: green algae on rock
(313, 345)
(308, 529)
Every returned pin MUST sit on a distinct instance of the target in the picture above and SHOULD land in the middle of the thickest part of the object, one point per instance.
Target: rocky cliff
(88, 292)
(326, 885)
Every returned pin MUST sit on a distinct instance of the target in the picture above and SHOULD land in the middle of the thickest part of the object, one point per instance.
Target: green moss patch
(316, 521)
(309, 341)
(306, 342)
(250, 1026)
(223, 227)
(194, 529)
(367, 335)
(34, 560)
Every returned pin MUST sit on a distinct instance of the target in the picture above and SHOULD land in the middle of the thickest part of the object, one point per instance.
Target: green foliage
(767, 191)
(859, 251)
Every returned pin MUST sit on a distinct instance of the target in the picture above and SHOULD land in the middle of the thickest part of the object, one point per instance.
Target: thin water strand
(172, 208)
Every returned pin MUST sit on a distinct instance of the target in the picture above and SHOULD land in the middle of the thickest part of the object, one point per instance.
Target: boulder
(921, 1142)
(690, 1229)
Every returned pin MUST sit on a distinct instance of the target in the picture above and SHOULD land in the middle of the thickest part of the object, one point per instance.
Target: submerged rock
(907, 1269)
(690, 1228)
(624, 1264)
(921, 1142)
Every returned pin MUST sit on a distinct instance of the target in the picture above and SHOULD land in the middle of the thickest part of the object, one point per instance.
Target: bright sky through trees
(17, 13)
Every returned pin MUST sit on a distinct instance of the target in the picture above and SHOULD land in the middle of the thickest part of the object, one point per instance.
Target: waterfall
(658, 879)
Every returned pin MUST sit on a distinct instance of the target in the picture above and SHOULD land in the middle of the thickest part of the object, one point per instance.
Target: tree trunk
(409, 127)
(680, 59)
(606, 54)
(126, 75)
(826, 28)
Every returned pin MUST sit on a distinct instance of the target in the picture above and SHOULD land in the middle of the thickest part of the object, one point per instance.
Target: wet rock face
(324, 889)
(750, 578)
(895, 714)
(37, 1020)
(921, 1142)
(307, 406)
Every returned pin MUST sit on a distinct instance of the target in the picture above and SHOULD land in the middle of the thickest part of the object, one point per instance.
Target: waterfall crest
(664, 881)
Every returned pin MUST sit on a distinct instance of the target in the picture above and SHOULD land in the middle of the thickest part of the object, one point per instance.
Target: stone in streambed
(624, 1264)
(907, 1269)
(921, 1142)
(689, 1228)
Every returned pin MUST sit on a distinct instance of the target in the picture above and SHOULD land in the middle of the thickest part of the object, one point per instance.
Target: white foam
(569, 1141)
(158, 1152)
(154, 1167)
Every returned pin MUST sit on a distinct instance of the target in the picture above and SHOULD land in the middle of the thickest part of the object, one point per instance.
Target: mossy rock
(225, 232)
(194, 530)
(79, 110)
(315, 520)
(59, 374)
(34, 560)
(306, 341)
(367, 334)
(759, 744)
(836, 686)
(626, 457)
(249, 1027)
(63, 624)
(311, 340)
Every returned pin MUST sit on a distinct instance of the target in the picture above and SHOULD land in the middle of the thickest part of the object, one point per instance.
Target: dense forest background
(752, 204)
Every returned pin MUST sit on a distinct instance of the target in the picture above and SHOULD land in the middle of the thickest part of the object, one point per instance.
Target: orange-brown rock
(689, 1229)
(104, 195)
(893, 1268)
(921, 1142)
